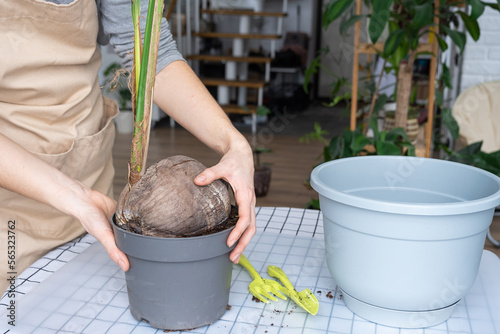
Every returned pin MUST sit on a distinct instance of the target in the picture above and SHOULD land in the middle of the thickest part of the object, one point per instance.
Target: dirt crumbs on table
(257, 300)
(228, 308)
(329, 295)
(293, 309)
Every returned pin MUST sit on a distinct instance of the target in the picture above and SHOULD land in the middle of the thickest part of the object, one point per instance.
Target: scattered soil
(257, 300)
(329, 295)
(228, 307)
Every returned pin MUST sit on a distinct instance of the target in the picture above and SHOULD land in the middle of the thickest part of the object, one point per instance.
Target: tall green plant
(407, 21)
(145, 56)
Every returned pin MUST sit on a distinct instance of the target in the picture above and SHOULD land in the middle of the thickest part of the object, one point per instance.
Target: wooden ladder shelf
(370, 49)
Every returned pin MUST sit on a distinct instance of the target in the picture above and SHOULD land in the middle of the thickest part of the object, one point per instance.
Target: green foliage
(260, 111)
(318, 134)
(348, 22)
(476, 8)
(257, 151)
(145, 60)
(379, 18)
(313, 204)
(408, 20)
(472, 155)
(450, 122)
(355, 143)
(456, 36)
(263, 110)
(334, 10)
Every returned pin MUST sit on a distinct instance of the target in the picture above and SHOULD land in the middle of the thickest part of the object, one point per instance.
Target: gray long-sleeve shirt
(116, 28)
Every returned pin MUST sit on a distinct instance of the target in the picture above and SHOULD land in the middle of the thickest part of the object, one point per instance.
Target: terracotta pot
(262, 179)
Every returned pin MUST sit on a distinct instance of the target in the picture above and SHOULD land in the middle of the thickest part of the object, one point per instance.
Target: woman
(56, 129)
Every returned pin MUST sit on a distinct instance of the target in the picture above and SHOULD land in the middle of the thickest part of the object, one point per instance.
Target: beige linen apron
(51, 104)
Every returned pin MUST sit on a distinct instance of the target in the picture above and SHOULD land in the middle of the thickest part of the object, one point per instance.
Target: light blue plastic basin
(403, 235)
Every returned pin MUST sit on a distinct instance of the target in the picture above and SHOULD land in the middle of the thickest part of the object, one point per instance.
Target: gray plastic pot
(177, 283)
(404, 236)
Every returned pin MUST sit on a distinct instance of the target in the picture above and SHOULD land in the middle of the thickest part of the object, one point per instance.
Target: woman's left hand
(236, 167)
(180, 93)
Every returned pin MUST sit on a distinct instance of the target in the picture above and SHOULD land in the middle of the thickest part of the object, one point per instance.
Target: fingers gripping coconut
(165, 202)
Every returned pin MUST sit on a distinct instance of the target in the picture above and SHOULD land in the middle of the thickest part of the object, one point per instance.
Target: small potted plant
(262, 174)
(117, 80)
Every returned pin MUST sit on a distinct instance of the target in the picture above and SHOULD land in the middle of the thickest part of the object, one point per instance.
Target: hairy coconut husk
(166, 202)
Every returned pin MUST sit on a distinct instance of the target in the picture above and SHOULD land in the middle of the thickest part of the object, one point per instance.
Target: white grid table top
(78, 289)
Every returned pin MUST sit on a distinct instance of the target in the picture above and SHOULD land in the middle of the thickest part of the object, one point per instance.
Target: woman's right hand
(95, 211)
(29, 176)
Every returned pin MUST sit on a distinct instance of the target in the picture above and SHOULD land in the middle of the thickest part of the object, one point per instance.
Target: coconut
(166, 202)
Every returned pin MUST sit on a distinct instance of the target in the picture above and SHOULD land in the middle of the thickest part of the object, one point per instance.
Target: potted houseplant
(173, 232)
(262, 173)
(117, 80)
(408, 23)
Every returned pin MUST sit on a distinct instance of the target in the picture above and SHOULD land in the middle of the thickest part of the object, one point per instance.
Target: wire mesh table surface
(78, 289)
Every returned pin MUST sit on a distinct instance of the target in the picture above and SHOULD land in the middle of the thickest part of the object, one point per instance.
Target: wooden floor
(291, 162)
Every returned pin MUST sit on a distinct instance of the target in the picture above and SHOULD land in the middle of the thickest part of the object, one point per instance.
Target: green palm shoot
(144, 71)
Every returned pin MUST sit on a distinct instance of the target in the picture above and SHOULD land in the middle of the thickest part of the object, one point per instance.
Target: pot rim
(198, 237)
(183, 249)
(427, 209)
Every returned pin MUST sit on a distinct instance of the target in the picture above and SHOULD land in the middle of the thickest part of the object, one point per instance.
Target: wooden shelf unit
(242, 12)
(214, 58)
(370, 49)
(234, 78)
(234, 35)
(233, 83)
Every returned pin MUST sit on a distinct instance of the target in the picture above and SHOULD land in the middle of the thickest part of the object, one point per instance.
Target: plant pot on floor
(177, 283)
(412, 126)
(262, 179)
(403, 235)
(124, 121)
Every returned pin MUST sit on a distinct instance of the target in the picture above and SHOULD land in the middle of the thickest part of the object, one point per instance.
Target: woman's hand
(236, 167)
(95, 211)
(180, 93)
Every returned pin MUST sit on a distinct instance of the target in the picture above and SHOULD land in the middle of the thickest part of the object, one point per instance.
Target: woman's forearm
(180, 93)
(31, 177)
(25, 174)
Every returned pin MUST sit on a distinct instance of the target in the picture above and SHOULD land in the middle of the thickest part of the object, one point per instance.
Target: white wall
(338, 60)
(481, 61)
